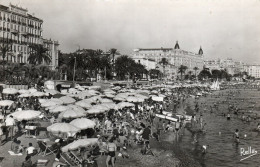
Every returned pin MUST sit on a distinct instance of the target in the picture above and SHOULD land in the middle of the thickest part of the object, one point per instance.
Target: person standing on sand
(177, 128)
(111, 147)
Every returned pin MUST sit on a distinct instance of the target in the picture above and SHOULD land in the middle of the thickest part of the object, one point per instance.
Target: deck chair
(46, 150)
(68, 159)
(73, 154)
(42, 162)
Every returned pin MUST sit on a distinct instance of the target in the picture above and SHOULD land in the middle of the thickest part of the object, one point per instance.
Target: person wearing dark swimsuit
(111, 147)
(236, 135)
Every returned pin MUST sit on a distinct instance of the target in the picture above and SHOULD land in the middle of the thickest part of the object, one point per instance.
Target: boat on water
(215, 85)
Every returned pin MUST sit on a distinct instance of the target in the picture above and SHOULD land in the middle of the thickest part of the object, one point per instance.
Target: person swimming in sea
(228, 116)
(236, 135)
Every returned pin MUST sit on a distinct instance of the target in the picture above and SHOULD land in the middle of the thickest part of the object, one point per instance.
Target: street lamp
(74, 70)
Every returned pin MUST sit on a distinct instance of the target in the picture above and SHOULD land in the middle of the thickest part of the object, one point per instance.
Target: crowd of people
(117, 130)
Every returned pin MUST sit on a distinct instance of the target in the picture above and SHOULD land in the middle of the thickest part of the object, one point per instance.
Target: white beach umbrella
(25, 95)
(67, 99)
(58, 108)
(32, 90)
(94, 111)
(38, 94)
(49, 103)
(83, 104)
(77, 108)
(80, 143)
(71, 113)
(10, 91)
(26, 114)
(62, 128)
(83, 123)
(23, 91)
(6, 102)
(125, 104)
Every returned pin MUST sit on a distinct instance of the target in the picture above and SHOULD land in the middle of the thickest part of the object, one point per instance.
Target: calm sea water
(222, 150)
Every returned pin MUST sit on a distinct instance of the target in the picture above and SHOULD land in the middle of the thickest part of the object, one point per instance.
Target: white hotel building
(176, 57)
(20, 29)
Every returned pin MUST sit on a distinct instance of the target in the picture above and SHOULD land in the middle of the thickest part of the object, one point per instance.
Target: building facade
(174, 56)
(18, 30)
(231, 66)
(252, 70)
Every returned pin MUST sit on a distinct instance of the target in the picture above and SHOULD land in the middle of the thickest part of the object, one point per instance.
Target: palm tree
(113, 52)
(190, 73)
(164, 62)
(4, 49)
(38, 55)
(196, 69)
(182, 70)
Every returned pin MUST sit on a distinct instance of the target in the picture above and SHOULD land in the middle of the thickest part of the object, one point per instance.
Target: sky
(223, 28)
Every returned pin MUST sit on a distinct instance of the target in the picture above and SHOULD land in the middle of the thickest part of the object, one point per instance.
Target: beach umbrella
(71, 90)
(144, 94)
(25, 95)
(94, 87)
(67, 99)
(125, 104)
(81, 143)
(43, 100)
(71, 113)
(57, 101)
(26, 115)
(94, 111)
(110, 105)
(134, 99)
(23, 91)
(62, 128)
(83, 95)
(48, 103)
(6, 102)
(51, 91)
(83, 123)
(119, 99)
(94, 99)
(56, 109)
(38, 94)
(109, 91)
(83, 104)
(10, 91)
(106, 100)
(32, 90)
(77, 108)
(100, 107)
(109, 95)
(116, 88)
